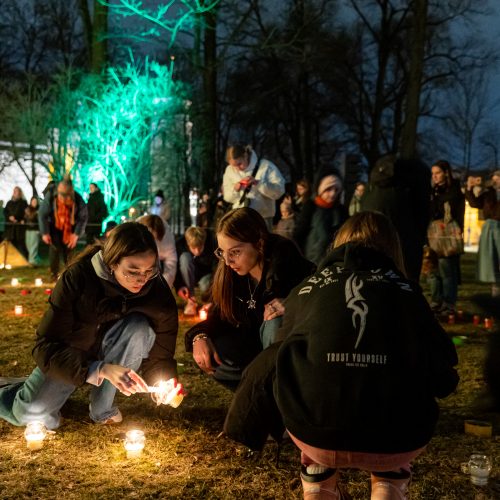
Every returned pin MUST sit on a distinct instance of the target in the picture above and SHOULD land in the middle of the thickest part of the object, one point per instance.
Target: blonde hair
(373, 230)
(195, 237)
(154, 223)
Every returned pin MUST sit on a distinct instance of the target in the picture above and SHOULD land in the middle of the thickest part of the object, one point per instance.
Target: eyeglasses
(137, 277)
(232, 254)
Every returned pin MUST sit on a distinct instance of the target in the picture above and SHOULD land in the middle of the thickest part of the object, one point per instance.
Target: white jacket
(262, 197)
(168, 255)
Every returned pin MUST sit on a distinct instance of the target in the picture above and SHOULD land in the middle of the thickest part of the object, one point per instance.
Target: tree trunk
(412, 111)
(99, 53)
(209, 106)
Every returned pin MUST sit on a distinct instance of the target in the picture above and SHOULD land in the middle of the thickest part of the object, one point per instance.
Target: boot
(322, 485)
(390, 485)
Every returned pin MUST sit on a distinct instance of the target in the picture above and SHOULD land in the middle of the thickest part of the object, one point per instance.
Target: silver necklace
(251, 302)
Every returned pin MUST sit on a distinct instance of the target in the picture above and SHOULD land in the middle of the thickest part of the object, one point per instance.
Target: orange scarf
(320, 202)
(65, 217)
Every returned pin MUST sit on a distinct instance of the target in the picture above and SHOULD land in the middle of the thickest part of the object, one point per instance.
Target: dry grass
(183, 456)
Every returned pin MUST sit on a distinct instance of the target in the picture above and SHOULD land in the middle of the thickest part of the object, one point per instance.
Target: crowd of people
(297, 308)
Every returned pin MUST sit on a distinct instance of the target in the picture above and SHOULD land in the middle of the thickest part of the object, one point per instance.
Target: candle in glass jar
(134, 443)
(38, 282)
(203, 314)
(488, 323)
(14, 282)
(18, 310)
(35, 433)
(476, 319)
(8, 266)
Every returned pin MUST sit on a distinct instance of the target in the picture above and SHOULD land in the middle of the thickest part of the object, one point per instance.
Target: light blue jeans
(40, 398)
(187, 268)
(32, 240)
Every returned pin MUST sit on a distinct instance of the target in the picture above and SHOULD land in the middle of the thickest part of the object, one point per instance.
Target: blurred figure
(62, 218)
(32, 231)
(160, 206)
(286, 224)
(357, 375)
(165, 241)
(320, 217)
(302, 194)
(489, 243)
(195, 267)
(110, 225)
(253, 182)
(14, 217)
(2, 220)
(355, 204)
(97, 212)
(400, 189)
(446, 196)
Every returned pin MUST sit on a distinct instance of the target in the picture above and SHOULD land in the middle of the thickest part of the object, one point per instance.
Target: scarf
(64, 217)
(320, 202)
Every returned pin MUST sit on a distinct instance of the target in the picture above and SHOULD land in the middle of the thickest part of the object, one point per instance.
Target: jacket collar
(104, 273)
(357, 257)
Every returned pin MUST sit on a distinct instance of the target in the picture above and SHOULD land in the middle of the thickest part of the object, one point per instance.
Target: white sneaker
(191, 308)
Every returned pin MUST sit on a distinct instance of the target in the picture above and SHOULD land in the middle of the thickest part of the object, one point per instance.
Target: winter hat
(328, 182)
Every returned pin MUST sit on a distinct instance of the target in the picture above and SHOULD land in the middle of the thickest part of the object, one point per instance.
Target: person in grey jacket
(62, 218)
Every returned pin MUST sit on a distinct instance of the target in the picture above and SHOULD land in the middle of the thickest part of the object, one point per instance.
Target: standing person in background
(165, 241)
(196, 265)
(259, 178)
(321, 217)
(302, 194)
(2, 220)
(362, 361)
(400, 189)
(14, 217)
(489, 243)
(97, 212)
(62, 218)
(32, 231)
(160, 206)
(355, 204)
(446, 195)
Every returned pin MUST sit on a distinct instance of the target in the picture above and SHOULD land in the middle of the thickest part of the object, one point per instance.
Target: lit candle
(38, 282)
(203, 314)
(134, 443)
(8, 266)
(476, 319)
(165, 392)
(18, 310)
(131, 212)
(35, 433)
(14, 282)
(488, 323)
(2, 266)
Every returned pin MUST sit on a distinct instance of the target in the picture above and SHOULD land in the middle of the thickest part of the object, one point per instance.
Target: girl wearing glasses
(110, 314)
(256, 271)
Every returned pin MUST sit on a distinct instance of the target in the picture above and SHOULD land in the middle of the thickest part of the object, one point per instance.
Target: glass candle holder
(14, 282)
(134, 443)
(8, 266)
(34, 434)
(479, 469)
(38, 282)
(18, 310)
(203, 314)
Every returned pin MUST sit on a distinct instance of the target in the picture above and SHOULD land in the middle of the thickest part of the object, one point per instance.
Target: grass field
(184, 458)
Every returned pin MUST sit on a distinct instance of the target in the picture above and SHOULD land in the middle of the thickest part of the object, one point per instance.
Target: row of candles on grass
(476, 319)
(166, 392)
(15, 282)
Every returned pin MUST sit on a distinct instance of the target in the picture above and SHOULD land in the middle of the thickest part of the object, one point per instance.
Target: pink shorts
(372, 462)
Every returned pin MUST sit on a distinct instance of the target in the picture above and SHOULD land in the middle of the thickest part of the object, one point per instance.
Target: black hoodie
(363, 358)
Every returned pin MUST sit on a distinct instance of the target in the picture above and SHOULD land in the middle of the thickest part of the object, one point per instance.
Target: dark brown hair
(373, 230)
(124, 240)
(245, 225)
(237, 151)
(446, 168)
